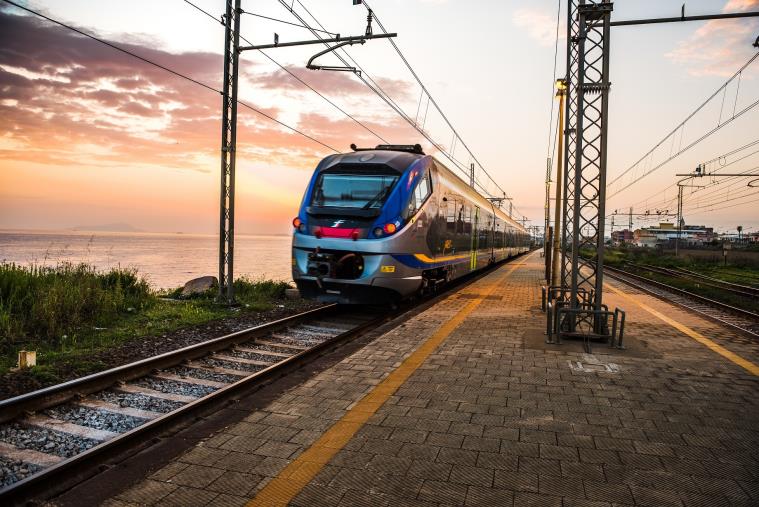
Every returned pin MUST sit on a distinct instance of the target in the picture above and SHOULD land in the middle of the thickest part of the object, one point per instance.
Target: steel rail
(739, 290)
(621, 276)
(84, 465)
(737, 286)
(12, 408)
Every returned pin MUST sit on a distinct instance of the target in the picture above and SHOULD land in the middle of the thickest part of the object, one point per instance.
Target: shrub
(43, 302)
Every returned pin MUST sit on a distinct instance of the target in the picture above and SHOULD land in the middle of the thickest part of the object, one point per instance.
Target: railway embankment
(80, 320)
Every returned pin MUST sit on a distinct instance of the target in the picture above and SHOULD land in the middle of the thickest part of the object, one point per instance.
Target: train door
(475, 243)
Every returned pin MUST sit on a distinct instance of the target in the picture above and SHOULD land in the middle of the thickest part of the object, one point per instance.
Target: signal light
(296, 222)
(390, 228)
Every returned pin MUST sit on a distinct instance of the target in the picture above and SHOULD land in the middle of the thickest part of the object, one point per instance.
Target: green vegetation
(68, 312)
(740, 273)
(623, 258)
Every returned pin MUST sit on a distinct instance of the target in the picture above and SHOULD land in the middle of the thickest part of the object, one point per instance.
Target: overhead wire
(374, 87)
(706, 164)
(293, 75)
(681, 125)
(366, 78)
(167, 69)
(432, 99)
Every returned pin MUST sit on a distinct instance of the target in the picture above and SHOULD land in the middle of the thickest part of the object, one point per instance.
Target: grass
(70, 311)
(744, 275)
(741, 274)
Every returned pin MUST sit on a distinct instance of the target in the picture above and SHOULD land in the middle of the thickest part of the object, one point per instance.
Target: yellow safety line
(719, 349)
(295, 476)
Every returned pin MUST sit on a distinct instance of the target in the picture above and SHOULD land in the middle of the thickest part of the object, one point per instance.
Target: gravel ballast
(255, 357)
(44, 440)
(191, 373)
(93, 418)
(230, 365)
(14, 470)
(139, 401)
(174, 387)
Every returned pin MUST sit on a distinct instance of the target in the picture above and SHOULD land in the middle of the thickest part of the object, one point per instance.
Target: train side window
(419, 195)
(450, 215)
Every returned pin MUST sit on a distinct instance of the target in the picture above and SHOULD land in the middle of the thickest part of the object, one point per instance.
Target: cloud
(719, 47)
(539, 24)
(61, 94)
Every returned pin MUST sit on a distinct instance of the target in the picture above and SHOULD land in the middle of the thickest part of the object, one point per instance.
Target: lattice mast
(228, 152)
(585, 151)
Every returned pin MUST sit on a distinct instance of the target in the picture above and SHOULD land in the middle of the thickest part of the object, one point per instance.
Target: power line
(432, 99)
(285, 22)
(377, 89)
(689, 146)
(716, 159)
(167, 69)
(551, 130)
(681, 126)
(297, 78)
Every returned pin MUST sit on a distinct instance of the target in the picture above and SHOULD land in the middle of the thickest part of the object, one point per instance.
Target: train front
(351, 221)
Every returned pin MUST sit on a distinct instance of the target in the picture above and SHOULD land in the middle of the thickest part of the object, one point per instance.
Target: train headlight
(302, 228)
(378, 232)
(297, 223)
(390, 228)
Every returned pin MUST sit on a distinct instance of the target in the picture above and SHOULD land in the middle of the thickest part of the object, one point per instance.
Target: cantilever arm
(310, 64)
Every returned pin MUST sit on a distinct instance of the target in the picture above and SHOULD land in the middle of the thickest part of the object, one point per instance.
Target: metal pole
(559, 206)
(547, 217)
(228, 150)
(685, 18)
(679, 218)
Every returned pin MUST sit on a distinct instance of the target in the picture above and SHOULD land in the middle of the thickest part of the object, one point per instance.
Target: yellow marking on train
(703, 340)
(428, 260)
(295, 476)
(387, 269)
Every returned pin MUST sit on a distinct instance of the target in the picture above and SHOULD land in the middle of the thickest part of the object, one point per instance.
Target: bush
(41, 302)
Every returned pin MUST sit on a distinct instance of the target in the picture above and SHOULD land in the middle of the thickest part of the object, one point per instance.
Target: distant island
(117, 227)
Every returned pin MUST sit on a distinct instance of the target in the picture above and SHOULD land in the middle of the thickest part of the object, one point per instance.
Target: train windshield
(357, 191)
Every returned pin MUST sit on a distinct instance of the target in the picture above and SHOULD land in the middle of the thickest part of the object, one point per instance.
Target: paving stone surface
(494, 416)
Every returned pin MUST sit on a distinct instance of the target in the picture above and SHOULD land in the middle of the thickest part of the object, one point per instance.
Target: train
(381, 225)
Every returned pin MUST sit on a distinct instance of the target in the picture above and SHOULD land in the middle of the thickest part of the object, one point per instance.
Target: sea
(165, 260)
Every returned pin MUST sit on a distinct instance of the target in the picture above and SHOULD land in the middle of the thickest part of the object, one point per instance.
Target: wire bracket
(310, 65)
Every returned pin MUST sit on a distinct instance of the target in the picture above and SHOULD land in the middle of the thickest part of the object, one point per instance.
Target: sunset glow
(90, 135)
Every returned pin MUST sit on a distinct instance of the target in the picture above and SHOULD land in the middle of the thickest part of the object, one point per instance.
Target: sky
(92, 136)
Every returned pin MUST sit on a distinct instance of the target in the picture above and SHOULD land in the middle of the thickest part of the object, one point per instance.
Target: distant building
(624, 236)
(666, 233)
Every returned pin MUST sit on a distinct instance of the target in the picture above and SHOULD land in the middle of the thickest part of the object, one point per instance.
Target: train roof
(396, 160)
(399, 158)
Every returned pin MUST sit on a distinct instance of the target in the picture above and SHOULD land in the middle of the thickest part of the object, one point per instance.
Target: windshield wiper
(376, 198)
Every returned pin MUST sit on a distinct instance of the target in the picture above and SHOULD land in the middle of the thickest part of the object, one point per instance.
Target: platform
(464, 404)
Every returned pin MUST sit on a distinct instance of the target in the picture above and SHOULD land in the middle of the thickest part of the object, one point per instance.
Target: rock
(292, 294)
(199, 285)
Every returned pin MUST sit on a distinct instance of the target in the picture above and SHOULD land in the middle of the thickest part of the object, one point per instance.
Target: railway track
(735, 318)
(57, 431)
(691, 276)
